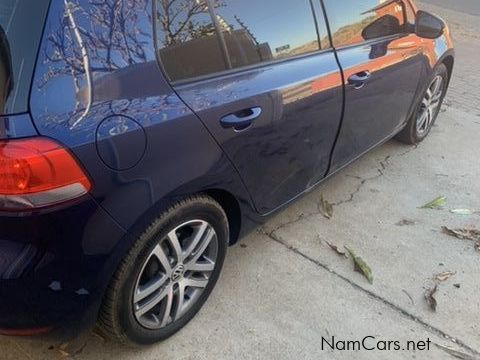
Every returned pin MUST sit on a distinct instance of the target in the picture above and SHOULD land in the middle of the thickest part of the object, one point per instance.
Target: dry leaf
(325, 207)
(361, 266)
(444, 276)
(455, 353)
(462, 212)
(409, 296)
(430, 298)
(437, 203)
(463, 234)
(63, 353)
(337, 249)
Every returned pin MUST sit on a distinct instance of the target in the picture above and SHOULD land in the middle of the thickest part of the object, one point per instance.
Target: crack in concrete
(272, 236)
(301, 217)
(383, 166)
(381, 169)
(351, 197)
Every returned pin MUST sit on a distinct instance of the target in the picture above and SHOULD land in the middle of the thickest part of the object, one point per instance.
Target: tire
(120, 316)
(413, 133)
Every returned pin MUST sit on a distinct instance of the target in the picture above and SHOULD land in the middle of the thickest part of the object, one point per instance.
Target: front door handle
(242, 119)
(359, 79)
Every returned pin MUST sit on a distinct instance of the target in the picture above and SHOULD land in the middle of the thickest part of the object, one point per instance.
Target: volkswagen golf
(140, 138)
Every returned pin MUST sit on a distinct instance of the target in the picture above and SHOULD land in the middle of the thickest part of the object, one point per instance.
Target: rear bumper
(54, 269)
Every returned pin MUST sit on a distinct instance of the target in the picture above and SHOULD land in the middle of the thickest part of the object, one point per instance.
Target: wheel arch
(231, 206)
(226, 199)
(230, 203)
(449, 61)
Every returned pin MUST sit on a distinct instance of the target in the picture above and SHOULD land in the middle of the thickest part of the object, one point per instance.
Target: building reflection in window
(200, 37)
(354, 21)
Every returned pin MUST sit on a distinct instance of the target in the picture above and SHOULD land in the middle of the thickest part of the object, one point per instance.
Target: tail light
(38, 172)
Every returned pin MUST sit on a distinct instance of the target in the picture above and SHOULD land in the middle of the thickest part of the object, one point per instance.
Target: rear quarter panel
(97, 62)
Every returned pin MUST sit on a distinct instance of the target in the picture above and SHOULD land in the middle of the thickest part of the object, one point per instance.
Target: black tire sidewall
(441, 70)
(206, 211)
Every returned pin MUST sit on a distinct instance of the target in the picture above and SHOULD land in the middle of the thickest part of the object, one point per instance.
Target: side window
(266, 30)
(184, 31)
(355, 21)
(201, 37)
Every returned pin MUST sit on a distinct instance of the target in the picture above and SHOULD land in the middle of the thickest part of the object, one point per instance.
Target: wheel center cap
(177, 272)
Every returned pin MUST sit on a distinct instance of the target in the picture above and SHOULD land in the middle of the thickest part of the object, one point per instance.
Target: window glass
(256, 31)
(21, 23)
(354, 21)
(249, 32)
(186, 39)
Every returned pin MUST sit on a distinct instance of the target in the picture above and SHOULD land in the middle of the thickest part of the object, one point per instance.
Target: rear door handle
(242, 119)
(359, 79)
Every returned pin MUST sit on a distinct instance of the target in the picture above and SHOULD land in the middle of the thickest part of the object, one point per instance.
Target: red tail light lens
(38, 172)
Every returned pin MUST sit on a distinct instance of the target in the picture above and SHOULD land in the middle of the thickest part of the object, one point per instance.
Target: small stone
(405, 222)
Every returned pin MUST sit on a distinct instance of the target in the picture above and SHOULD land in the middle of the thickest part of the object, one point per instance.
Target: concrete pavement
(471, 7)
(266, 308)
(283, 288)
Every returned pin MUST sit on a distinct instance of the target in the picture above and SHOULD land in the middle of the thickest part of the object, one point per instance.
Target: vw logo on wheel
(177, 273)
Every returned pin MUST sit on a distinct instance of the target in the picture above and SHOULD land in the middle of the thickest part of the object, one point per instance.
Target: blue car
(140, 138)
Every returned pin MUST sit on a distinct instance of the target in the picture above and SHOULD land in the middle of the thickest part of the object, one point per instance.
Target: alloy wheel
(430, 104)
(175, 274)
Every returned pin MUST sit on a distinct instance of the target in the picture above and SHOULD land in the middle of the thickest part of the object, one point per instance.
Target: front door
(262, 77)
(382, 66)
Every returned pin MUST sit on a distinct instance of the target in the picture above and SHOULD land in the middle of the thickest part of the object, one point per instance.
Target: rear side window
(198, 37)
(21, 24)
(355, 21)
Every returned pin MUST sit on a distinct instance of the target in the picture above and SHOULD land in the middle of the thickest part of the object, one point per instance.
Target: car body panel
(380, 108)
(286, 149)
(53, 269)
(63, 108)
(125, 87)
(57, 264)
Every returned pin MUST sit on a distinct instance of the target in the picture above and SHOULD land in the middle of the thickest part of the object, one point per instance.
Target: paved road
(471, 7)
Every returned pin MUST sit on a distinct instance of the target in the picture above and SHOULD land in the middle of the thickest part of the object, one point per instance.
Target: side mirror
(383, 26)
(428, 26)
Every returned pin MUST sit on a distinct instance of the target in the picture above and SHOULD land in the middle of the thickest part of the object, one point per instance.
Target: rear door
(263, 78)
(382, 66)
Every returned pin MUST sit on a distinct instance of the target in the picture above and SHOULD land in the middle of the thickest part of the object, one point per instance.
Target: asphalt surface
(471, 7)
